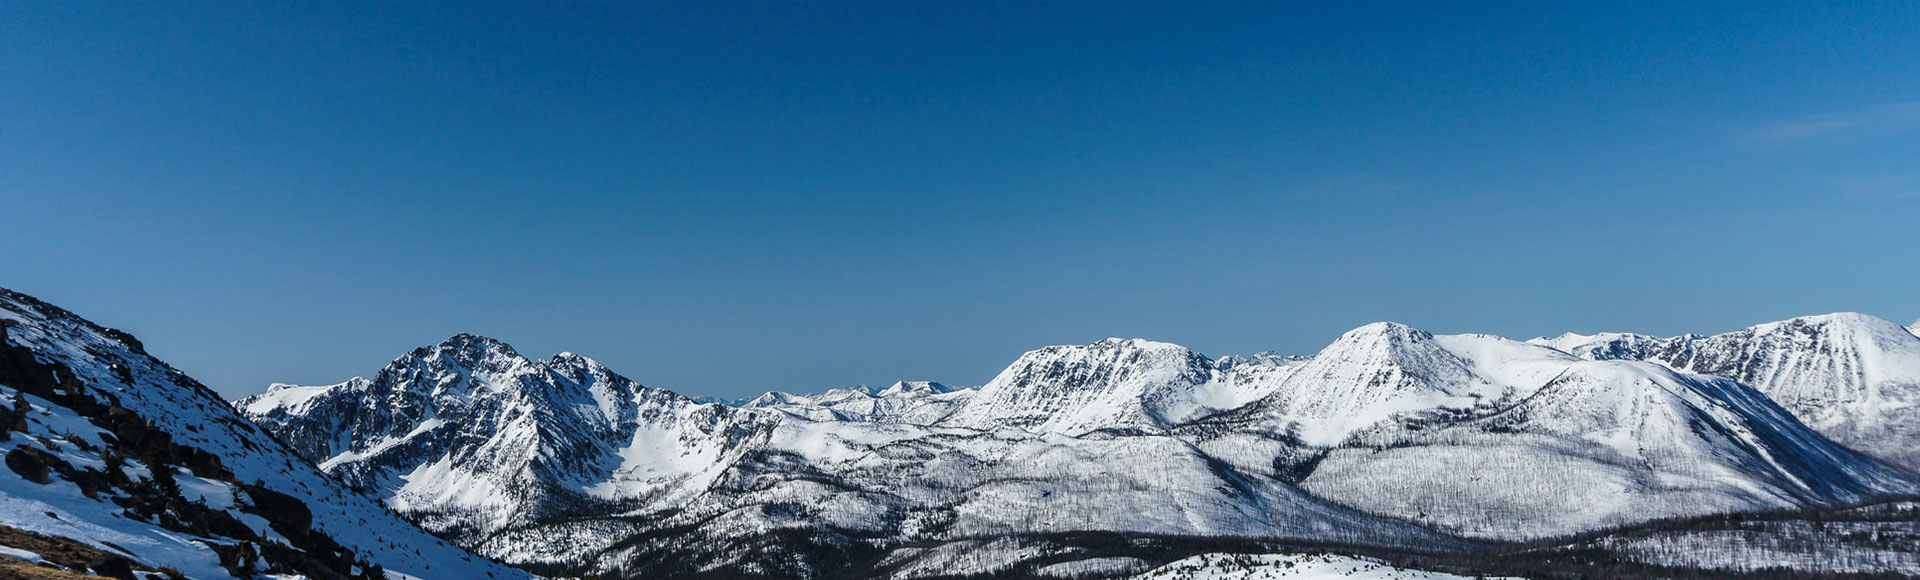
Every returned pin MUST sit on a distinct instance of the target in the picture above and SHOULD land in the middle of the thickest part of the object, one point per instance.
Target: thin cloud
(1887, 118)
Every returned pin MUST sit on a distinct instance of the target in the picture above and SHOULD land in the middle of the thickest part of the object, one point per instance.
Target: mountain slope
(1852, 377)
(907, 501)
(1604, 443)
(116, 450)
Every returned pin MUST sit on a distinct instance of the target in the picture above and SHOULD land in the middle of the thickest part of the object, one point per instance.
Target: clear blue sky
(724, 199)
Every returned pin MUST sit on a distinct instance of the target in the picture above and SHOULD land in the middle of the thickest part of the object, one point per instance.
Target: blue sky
(728, 198)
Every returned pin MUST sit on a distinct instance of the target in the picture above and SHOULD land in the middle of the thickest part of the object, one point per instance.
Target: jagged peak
(467, 342)
(464, 350)
(571, 360)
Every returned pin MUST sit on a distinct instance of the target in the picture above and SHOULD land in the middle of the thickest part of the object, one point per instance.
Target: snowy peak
(1113, 383)
(460, 362)
(1385, 357)
(1386, 370)
(469, 351)
(470, 427)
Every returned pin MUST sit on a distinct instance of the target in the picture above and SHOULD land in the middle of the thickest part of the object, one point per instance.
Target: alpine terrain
(1852, 377)
(1465, 454)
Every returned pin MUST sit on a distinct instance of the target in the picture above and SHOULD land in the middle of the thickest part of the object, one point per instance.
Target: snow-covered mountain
(1111, 384)
(1490, 437)
(1604, 443)
(469, 438)
(1390, 438)
(914, 402)
(1387, 371)
(119, 463)
(563, 465)
(1852, 377)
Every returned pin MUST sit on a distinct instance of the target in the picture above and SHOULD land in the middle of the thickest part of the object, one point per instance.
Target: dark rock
(29, 464)
(279, 509)
(113, 566)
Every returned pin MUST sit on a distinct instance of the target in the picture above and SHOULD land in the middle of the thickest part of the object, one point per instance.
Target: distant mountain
(1852, 377)
(1389, 440)
(120, 464)
(914, 402)
(1111, 384)
(566, 467)
(1490, 437)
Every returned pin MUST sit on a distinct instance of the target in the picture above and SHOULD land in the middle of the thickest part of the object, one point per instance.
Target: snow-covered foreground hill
(119, 463)
(1390, 438)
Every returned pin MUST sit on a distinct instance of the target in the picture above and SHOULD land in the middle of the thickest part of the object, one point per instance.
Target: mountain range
(1393, 452)
(1390, 440)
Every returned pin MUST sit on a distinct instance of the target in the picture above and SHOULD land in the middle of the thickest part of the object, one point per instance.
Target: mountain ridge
(1329, 438)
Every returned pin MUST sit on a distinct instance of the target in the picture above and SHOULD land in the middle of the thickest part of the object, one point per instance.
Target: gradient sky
(725, 199)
